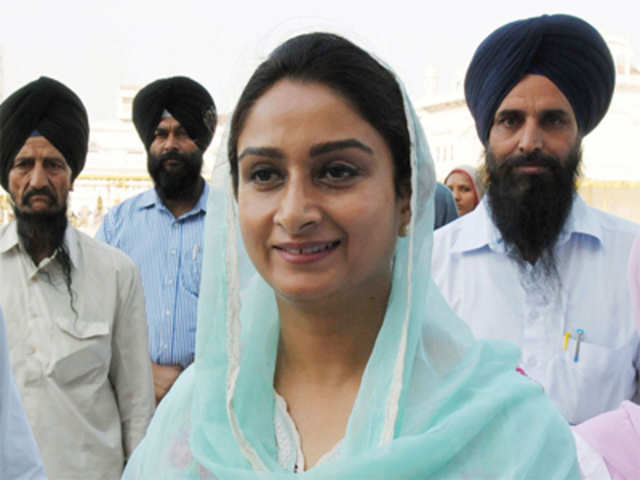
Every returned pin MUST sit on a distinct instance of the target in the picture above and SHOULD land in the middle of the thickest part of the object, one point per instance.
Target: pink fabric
(616, 436)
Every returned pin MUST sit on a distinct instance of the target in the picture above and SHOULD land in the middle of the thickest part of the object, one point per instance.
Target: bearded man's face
(174, 160)
(532, 161)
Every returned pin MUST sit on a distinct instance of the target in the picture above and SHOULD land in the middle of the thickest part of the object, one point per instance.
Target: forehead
(535, 93)
(458, 178)
(38, 146)
(293, 109)
(169, 123)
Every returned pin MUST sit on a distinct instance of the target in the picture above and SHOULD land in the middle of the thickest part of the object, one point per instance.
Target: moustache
(533, 159)
(174, 156)
(44, 191)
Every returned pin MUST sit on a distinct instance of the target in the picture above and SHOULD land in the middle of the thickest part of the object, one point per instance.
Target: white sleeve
(19, 455)
(591, 463)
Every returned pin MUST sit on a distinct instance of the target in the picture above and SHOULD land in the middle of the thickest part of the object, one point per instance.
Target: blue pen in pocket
(579, 334)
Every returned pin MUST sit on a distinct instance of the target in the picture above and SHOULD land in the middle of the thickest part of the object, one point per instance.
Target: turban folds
(52, 109)
(186, 100)
(565, 49)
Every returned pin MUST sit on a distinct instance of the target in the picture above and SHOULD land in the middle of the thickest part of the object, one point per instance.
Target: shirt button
(170, 281)
(167, 313)
(172, 251)
(532, 360)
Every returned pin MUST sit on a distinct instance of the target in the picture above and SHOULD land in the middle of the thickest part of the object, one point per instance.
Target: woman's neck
(323, 351)
(329, 341)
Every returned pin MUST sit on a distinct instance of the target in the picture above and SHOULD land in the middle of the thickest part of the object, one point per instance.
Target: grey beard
(48, 229)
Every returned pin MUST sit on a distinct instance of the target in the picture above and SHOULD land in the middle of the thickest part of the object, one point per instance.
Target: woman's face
(462, 190)
(317, 205)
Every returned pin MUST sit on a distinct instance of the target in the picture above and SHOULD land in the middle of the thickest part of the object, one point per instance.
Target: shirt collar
(151, 199)
(9, 240)
(480, 231)
(580, 222)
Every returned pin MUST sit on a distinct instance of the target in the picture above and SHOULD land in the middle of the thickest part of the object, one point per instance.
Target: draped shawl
(433, 402)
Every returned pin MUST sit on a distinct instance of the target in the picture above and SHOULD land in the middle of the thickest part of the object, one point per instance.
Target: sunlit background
(107, 51)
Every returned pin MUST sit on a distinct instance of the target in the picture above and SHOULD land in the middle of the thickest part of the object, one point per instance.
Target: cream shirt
(85, 378)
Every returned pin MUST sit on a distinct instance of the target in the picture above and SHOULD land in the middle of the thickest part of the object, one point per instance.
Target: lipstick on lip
(305, 252)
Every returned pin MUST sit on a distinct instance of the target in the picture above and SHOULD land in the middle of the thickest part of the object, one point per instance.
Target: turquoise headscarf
(433, 402)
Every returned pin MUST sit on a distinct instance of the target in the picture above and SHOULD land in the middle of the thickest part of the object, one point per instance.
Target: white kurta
(84, 376)
(500, 299)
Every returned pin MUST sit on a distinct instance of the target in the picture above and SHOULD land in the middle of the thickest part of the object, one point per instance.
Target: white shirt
(498, 299)
(19, 457)
(85, 378)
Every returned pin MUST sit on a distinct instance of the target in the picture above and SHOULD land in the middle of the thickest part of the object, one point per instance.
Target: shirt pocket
(80, 350)
(191, 269)
(603, 376)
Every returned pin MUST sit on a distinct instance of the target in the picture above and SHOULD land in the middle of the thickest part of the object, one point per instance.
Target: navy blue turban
(186, 100)
(57, 114)
(565, 49)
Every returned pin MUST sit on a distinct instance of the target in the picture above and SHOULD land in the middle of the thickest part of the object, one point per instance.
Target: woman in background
(332, 353)
(466, 186)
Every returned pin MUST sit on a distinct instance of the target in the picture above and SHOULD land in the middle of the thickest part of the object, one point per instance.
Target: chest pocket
(80, 350)
(602, 376)
(191, 269)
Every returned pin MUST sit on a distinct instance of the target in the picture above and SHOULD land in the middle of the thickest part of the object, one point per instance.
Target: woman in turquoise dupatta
(431, 401)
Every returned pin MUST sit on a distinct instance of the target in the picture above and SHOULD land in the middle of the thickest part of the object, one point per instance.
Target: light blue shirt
(168, 252)
(19, 457)
(500, 299)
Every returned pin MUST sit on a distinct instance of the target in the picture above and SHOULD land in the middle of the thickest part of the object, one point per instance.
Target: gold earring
(404, 230)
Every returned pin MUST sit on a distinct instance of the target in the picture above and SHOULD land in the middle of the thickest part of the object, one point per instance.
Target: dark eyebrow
(328, 147)
(55, 159)
(507, 112)
(269, 152)
(557, 112)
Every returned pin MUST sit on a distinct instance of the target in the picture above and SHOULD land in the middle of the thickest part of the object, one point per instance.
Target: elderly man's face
(535, 117)
(40, 178)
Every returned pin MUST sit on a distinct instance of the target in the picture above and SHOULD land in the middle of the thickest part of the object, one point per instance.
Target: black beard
(176, 184)
(46, 229)
(530, 210)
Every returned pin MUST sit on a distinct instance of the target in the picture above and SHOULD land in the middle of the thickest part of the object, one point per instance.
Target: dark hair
(347, 69)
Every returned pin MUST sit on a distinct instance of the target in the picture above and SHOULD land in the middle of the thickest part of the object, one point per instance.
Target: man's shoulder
(612, 223)
(466, 232)
(102, 254)
(131, 205)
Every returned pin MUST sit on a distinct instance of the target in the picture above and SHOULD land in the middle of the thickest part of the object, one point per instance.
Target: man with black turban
(74, 307)
(162, 229)
(533, 263)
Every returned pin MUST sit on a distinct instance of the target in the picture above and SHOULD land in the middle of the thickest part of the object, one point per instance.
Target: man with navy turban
(533, 264)
(162, 229)
(74, 307)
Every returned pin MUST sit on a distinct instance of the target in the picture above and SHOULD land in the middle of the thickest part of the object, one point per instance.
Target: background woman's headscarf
(433, 402)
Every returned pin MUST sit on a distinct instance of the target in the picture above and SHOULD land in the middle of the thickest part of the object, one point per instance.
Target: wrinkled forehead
(536, 93)
(38, 145)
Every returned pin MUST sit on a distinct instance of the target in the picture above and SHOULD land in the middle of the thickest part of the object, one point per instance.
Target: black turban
(186, 100)
(565, 49)
(52, 109)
